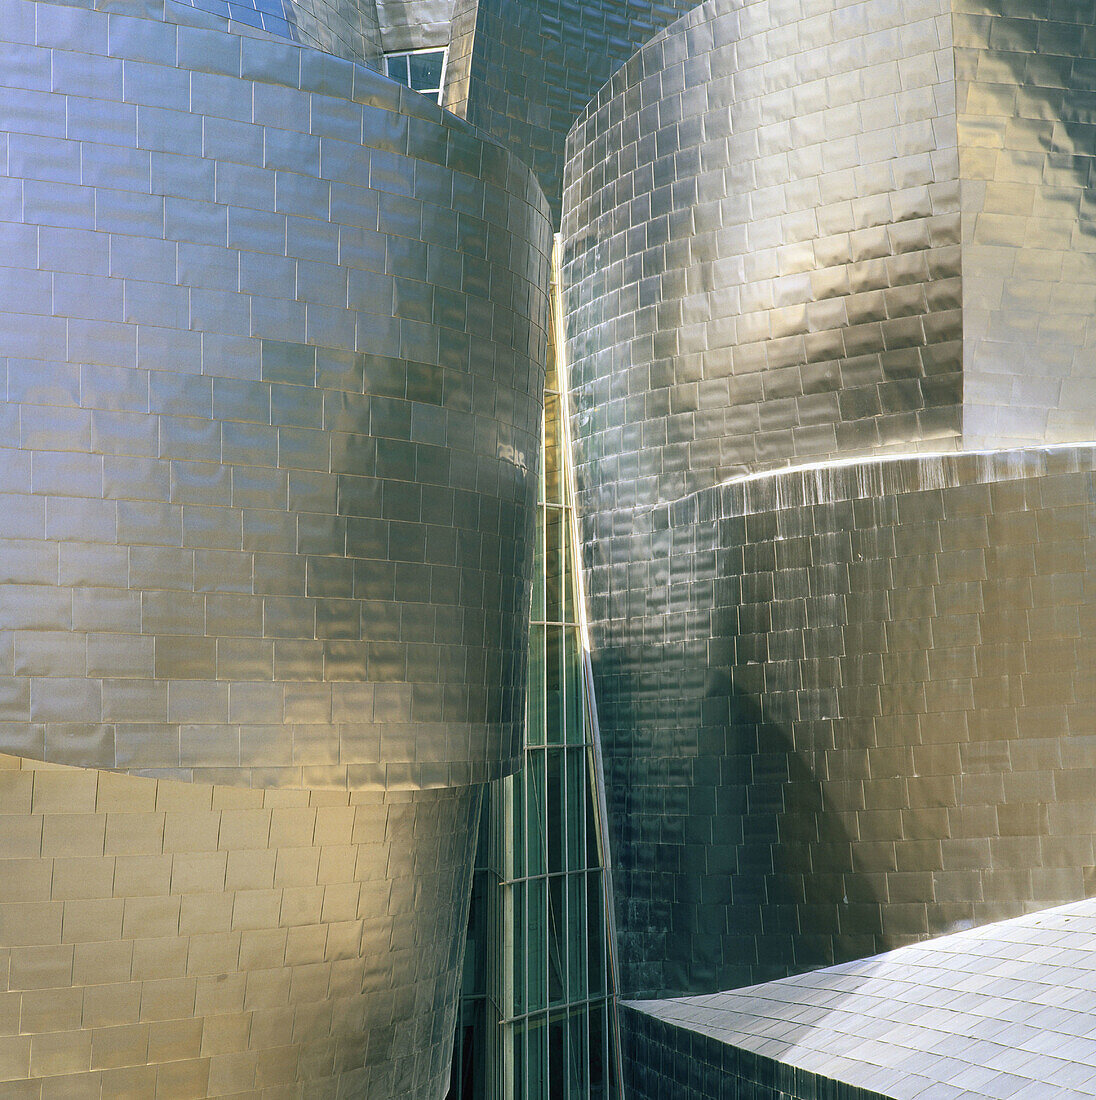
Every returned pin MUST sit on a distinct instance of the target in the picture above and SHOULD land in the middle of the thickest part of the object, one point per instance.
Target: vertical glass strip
(541, 1002)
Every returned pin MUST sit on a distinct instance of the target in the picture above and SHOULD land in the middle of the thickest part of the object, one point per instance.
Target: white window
(420, 70)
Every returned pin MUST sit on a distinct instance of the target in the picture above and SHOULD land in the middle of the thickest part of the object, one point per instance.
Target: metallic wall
(272, 349)
(164, 939)
(272, 343)
(523, 69)
(844, 708)
(787, 247)
(345, 28)
(846, 705)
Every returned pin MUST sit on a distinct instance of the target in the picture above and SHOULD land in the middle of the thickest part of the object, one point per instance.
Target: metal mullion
(559, 1010)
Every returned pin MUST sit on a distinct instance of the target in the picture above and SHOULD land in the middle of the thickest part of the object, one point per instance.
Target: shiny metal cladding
(272, 338)
(846, 698)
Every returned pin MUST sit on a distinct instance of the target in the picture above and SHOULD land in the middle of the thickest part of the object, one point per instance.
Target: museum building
(548, 549)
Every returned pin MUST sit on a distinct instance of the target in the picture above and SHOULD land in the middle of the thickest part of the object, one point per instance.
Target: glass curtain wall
(537, 1012)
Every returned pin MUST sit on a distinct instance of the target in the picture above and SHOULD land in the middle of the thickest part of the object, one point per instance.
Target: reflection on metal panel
(165, 939)
(271, 422)
(271, 358)
(345, 28)
(789, 244)
(522, 70)
(846, 703)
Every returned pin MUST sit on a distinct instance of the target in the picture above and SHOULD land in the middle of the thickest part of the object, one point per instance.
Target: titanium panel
(522, 70)
(414, 24)
(272, 352)
(844, 708)
(793, 235)
(167, 940)
(1025, 110)
(992, 1012)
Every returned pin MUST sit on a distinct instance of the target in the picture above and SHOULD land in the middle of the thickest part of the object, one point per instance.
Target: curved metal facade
(763, 247)
(844, 696)
(272, 345)
(523, 70)
(273, 369)
(166, 939)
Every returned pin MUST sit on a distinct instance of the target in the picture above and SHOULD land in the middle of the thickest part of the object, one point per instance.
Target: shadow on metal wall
(730, 870)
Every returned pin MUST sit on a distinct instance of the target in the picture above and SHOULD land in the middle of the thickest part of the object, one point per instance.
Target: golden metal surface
(166, 939)
(847, 700)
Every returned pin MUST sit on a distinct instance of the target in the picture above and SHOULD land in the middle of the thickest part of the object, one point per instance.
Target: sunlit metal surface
(763, 247)
(168, 940)
(794, 233)
(1026, 156)
(272, 414)
(272, 337)
(848, 704)
(345, 28)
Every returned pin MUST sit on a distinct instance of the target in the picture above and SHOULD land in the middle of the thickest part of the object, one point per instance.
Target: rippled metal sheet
(847, 708)
(414, 24)
(851, 707)
(164, 939)
(273, 354)
(523, 70)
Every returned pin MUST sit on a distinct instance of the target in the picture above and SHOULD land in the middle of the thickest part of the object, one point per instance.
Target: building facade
(832, 718)
(292, 524)
(273, 350)
(828, 330)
